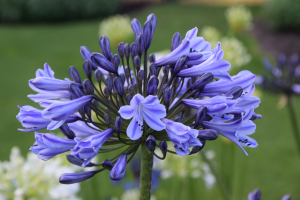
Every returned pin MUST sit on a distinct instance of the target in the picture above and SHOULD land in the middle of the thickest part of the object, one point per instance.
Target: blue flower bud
(150, 143)
(118, 85)
(88, 68)
(88, 111)
(136, 26)
(116, 60)
(109, 83)
(77, 161)
(121, 49)
(118, 123)
(182, 60)
(152, 69)
(133, 50)
(95, 103)
(147, 34)
(152, 85)
(126, 50)
(235, 92)
(88, 88)
(98, 75)
(85, 53)
(67, 131)
(118, 171)
(102, 62)
(75, 91)
(105, 47)
(188, 83)
(122, 77)
(73, 72)
(141, 75)
(208, 134)
(201, 115)
(137, 63)
(70, 178)
(128, 98)
(107, 165)
(152, 58)
(166, 70)
(175, 41)
(127, 71)
(106, 119)
(196, 149)
(131, 89)
(153, 20)
(206, 78)
(163, 147)
(139, 44)
(167, 96)
(255, 195)
(106, 92)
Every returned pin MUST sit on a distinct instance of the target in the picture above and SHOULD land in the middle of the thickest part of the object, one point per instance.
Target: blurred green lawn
(273, 166)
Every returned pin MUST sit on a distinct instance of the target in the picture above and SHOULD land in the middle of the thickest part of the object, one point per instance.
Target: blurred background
(33, 32)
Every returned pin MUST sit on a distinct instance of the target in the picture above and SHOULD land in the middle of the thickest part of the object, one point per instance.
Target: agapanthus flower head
(185, 97)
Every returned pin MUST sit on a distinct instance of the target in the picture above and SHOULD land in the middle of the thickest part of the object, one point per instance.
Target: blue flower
(182, 136)
(88, 147)
(81, 129)
(47, 145)
(140, 109)
(118, 171)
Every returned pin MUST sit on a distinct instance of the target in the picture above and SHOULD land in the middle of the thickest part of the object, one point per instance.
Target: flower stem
(146, 174)
(294, 121)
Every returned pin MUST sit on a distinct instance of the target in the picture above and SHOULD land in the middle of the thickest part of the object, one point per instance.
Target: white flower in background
(111, 27)
(132, 194)
(186, 166)
(239, 18)
(211, 34)
(31, 178)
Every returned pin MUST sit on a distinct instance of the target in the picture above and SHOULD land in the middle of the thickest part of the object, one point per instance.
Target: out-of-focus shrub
(111, 27)
(54, 10)
(283, 14)
(239, 18)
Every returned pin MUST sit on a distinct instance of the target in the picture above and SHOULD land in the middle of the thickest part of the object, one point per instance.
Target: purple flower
(255, 195)
(70, 178)
(140, 109)
(88, 147)
(118, 171)
(81, 129)
(47, 145)
(182, 136)
(59, 111)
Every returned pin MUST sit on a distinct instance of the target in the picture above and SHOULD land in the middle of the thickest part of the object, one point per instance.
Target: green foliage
(54, 10)
(283, 14)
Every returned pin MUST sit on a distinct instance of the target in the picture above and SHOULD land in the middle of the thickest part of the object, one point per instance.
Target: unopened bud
(235, 92)
(208, 134)
(118, 86)
(88, 88)
(109, 83)
(128, 98)
(150, 143)
(166, 70)
(67, 131)
(163, 147)
(105, 47)
(75, 91)
(73, 72)
(152, 58)
(126, 50)
(106, 119)
(121, 49)
(139, 44)
(107, 165)
(98, 75)
(118, 124)
(167, 96)
(133, 50)
(152, 69)
(206, 78)
(152, 85)
(116, 61)
(141, 75)
(175, 41)
(88, 111)
(201, 115)
(137, 63)
(182, 60)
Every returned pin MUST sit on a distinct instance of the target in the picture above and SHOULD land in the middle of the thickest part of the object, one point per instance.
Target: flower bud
(105, 47)
(88, 88)
(88, 68)
(118, 124)
(167, 96)
(116, 61)
(163, 147)
(182, 60)
(255, 195)
(137, 63)
(122, 77)
(121, 49)
(152, 69)
(202, 81)
(201, 115)
(196, 149)
(152, 85)
(194, 79)
(98, 75)
(131, 89)
(76, 161)
(208, 134)
(88, 111)
(125, 89)
(95, 103)
(85, 53)
(152, 58)
(150, 144)
(235, 92)
(126, 50)
(152, 18)
(118, 171)
(133, 50)
(107, 165)
(102, 62)
(67, 131)
(73, 72)
(141, 75)
(127, 71)
(175, 41)
(106, 119)
(106, 92)
(118, 86)
(75, 91)
(139, 44)
(128, 98)
(136, 26)
(109, 83)
(147, 34)
(166, 70)
(70, 178)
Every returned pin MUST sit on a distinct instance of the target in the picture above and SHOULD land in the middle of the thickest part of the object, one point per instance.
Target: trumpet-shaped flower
(140, 109)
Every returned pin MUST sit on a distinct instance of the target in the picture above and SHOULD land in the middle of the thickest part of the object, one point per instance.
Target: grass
(273, 166)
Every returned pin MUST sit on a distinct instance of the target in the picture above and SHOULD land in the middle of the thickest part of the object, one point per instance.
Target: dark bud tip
(75, 91)
(73, 72)
(109, 83)
(152, 85)
(196, 149)
(95, 103)
(133, 50)
(147, 34)
(166, 70)
(167, 96)
(206, 78)
(137, 63)
(88, 88)
(128, 98)
(152, 58)
(105, 47)
(208, 134)
(122, 77)
(182, 60)
(150, 143)
(139, 44)
(77, 161)
(88, 111)
(116, 60)
(121, 49)
(107, 165)
(163, 147)
(152, 69)
(118, 124)
(70, 178)
(141, 75)
(131, 89)
(126, 50)
(118, 85)
(188, 83)
(67, 131)
(235, 92)
(106, 119)
(106, 92)
(88, 68)
(201, 115)
(98, 75)
(175, 41)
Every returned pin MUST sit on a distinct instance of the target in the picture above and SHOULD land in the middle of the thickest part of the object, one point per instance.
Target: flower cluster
(239, 18)
(133, 106)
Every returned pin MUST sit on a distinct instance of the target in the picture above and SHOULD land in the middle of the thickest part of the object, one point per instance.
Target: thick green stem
(146, 174)
(294, 122)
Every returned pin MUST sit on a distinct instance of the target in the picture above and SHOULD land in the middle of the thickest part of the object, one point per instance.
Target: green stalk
(294, 121)
(146, 174)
